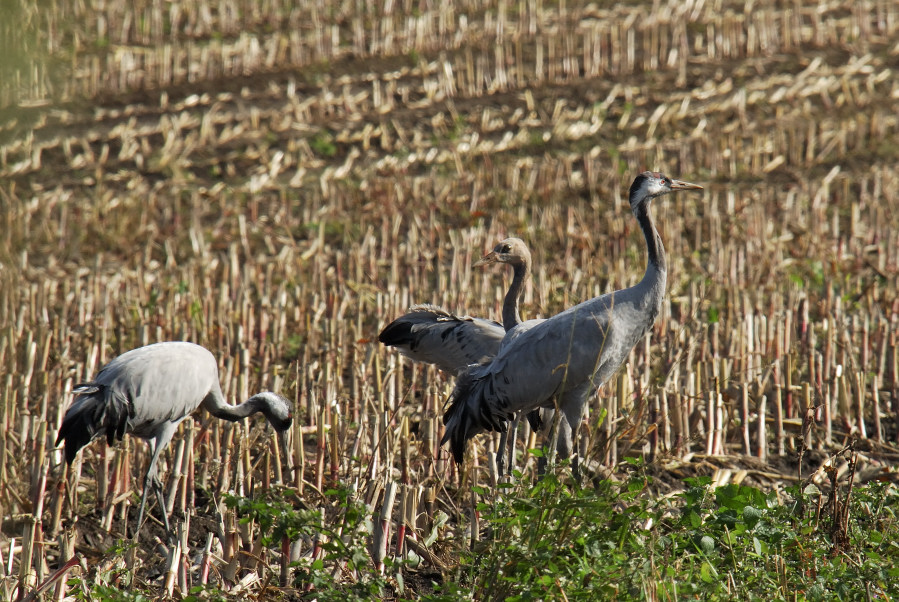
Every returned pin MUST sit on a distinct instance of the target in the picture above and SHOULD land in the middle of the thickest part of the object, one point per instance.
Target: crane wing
(433, 335)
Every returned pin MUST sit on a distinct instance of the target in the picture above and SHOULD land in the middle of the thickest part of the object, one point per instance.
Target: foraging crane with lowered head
(147, 392)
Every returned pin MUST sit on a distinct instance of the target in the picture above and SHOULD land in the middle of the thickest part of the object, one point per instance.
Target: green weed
(555, 540)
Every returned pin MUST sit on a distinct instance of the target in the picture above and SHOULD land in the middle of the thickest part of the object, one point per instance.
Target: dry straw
(277, 180)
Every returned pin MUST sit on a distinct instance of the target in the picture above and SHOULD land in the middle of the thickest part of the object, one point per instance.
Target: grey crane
(147, 392)
(561, 361)
(431, 335)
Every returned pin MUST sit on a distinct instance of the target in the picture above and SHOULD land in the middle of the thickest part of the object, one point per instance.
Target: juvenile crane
(431, 335)
(147, 392)
(561, 361)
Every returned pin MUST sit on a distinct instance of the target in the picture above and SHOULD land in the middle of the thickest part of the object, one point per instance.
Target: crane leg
(500, 465)
(151, 481)
(552, 422)
(507, 444)
(160, 499)
(143, 506)
(574, 407)
(555, 441)
(560, 430)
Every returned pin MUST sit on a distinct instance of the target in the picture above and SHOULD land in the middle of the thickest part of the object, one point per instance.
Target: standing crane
(431, 335)
(559, 362)
(147, 392)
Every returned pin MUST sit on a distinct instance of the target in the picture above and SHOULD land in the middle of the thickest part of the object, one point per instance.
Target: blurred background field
(278, 180)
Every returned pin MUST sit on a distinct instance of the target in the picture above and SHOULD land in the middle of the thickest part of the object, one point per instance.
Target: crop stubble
(276, 182)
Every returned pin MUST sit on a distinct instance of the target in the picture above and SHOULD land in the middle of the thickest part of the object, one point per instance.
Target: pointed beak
(486, 259)
(681, 185)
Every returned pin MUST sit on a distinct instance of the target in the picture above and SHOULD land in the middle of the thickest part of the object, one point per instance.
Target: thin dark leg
(160, 496)
(152, 479)
(143, 507)
(507, 444)
(500, 463)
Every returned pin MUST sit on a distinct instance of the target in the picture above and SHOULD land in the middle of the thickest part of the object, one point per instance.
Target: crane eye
(505, 249)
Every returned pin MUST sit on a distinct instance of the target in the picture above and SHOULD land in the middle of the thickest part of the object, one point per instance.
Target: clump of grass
(337, 561)
(556, 539)
(323, 144)
(613, 540)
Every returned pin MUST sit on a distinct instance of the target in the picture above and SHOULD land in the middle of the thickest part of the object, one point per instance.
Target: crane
(431, 335)
(147, 392)
(559, 362)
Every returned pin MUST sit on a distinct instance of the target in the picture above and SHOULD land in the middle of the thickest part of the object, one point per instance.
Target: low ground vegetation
(277, 181)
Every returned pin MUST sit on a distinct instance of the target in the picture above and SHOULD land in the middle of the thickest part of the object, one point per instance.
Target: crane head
(275, 408)
(509, 250)
(651, 184)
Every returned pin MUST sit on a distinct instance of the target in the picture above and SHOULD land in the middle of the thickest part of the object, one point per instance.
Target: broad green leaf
(707, 573)
(751, 515)
(695, 519)
(439, 521)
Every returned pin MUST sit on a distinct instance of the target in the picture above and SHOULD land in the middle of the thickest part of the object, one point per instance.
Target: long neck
(656, 265)
(217, 406)
(511, 316)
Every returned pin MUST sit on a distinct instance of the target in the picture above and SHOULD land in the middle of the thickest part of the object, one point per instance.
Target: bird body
(432, 335)
(573, 354)
(147, 392)
(561, 361)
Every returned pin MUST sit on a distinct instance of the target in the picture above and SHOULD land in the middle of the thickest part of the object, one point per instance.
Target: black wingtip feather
(75, 431)
(469, 414)
(398, 332)
(535, 419)
(455, 433)
(102, 412)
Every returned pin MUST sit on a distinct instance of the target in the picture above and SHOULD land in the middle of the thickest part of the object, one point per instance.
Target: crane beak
(681, 185)
(486, 259)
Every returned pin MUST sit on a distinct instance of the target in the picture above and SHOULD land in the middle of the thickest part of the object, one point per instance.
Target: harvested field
(277, 181)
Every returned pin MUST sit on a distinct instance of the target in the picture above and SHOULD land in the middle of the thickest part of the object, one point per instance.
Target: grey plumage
(432, 335)
(147, 392)
(561, 361)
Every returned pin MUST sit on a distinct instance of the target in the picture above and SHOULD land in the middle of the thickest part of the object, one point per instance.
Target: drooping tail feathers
(474, 409)
(97, 410)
